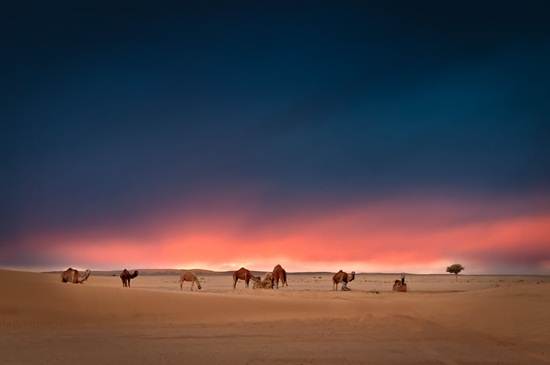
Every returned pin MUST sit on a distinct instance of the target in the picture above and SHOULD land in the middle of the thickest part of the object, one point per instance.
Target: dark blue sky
(115, 112)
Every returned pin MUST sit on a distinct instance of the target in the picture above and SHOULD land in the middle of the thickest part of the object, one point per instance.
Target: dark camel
(73, 276)
(398, 285)
(245, 275)
(126, 277)
(342, 277)
(279, 274)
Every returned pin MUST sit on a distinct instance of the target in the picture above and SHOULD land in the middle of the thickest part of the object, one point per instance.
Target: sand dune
(476, 320)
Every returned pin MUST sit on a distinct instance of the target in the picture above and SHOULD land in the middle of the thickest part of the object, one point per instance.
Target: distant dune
(152, 272)
(178, 271)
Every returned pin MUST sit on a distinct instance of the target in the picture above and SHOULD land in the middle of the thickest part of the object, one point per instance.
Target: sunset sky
(403, 137)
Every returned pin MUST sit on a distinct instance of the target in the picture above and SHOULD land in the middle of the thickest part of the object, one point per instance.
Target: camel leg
(181, 284)
(192, 285)
(235, 282)
(129, 280)
(247, 280)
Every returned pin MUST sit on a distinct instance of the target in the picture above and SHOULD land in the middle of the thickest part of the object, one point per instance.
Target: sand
(477, 319)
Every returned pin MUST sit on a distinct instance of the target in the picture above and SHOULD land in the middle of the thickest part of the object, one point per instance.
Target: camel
(126, 277)
(266, 283)
(73, 276)
(189, 276)
(245, 275)
(279, 273)
(398, 285)
(342, 277)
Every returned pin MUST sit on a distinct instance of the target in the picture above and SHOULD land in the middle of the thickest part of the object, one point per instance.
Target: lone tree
(455, 269)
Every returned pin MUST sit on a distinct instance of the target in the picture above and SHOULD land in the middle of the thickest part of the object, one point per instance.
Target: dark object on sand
(399, 286)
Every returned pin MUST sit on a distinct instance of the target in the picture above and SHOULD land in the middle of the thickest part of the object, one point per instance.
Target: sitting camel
(73, 276)
(279, 273)
(398, 285)
(189, 276)
(266, 283)
(245, 275)
(126, 276)
(342, 277)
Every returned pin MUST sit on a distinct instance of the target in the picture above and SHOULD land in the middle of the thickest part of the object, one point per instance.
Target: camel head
(135, 274)
(86, 275)
(199, 285)
(352, 276)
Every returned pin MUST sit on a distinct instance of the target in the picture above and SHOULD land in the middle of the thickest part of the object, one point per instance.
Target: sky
(393, 137)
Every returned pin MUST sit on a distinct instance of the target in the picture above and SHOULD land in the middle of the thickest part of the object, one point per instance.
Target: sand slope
(45, 321)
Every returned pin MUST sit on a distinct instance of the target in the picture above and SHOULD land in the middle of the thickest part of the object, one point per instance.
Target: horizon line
(265, 271)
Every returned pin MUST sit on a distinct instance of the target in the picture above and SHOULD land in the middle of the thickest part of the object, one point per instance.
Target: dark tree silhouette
(455, 269)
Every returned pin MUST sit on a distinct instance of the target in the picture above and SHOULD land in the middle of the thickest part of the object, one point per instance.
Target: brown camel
(266, 283)
(342, 277)
(279, 273)
(398, 285)
(126, 276)
(245, 275)
(189, 276)
(73, 276)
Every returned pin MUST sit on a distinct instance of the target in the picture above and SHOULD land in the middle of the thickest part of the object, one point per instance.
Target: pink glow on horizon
(392, 235)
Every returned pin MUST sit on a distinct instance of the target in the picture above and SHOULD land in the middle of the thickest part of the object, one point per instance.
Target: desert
(440, 320)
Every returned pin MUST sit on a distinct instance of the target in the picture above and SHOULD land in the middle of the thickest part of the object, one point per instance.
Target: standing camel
(245, 275)
(279, 273)
(126, 276)
(342, 277)
(189, 276)
(73, 276)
